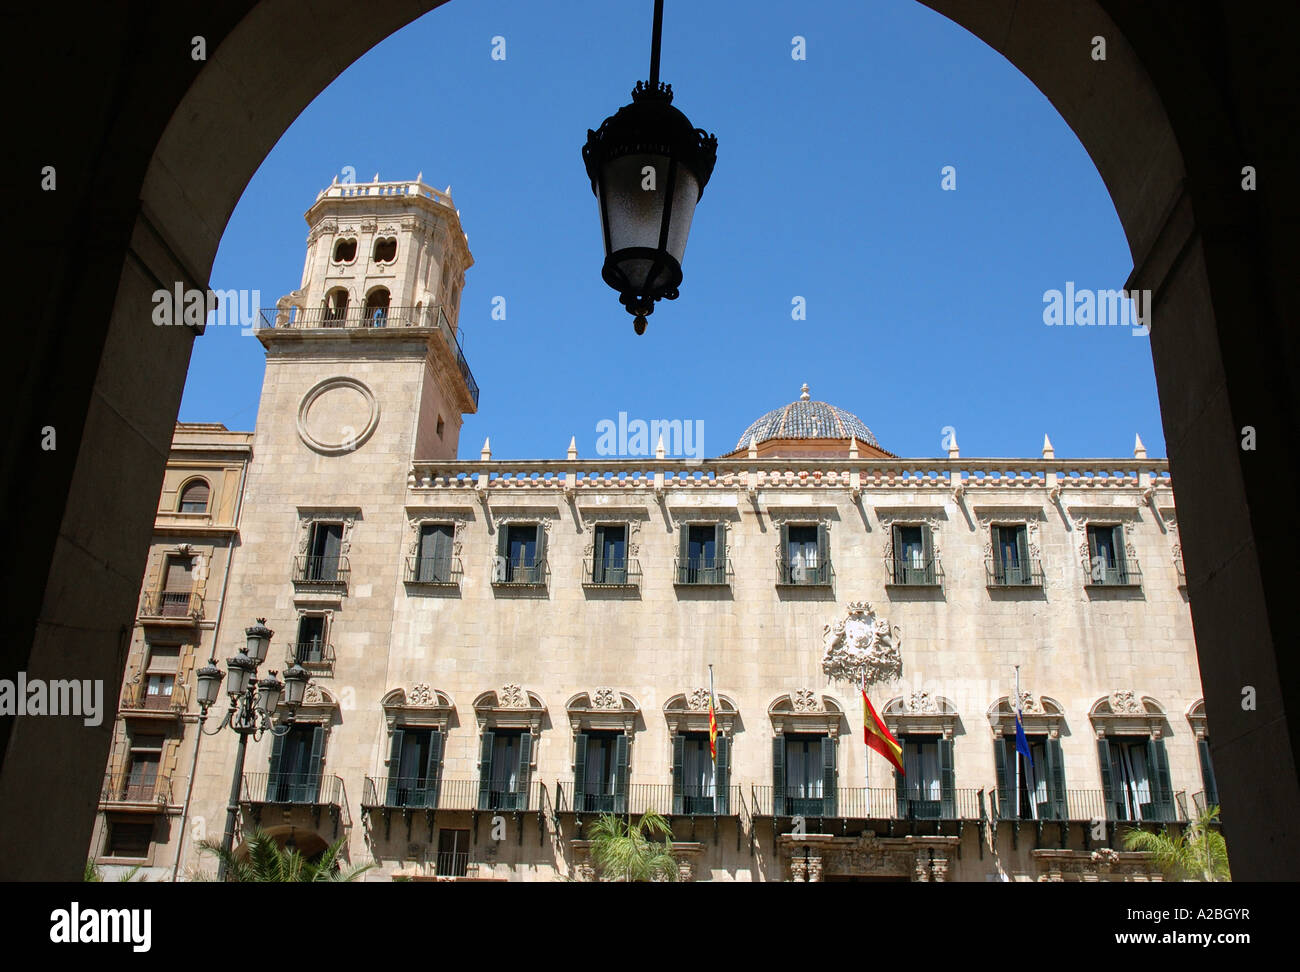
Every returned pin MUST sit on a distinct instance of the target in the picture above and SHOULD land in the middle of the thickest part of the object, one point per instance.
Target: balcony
(123, 793)
(688, 800)
(435, 572)
(175, 606)
(1121, 573)
(914, 573)
(800, 575)
(314, 792)
(1008, 573)
(870, 803)
(451, 864)
(618, 573)
(315, 656)
(410, 793)
(142, 700)
(1089, 805)
(519, 573)
(358, 317)
(321, 571)
(702, 572)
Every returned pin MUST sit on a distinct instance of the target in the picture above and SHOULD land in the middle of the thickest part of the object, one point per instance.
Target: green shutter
(1005, 806)
(598, 565)
(525, 768)
(947, 780)
(433, 770)
(722, 776)
(1163, 797)
(501, 569)
(719, 553)
(485, 770)
(1056, 793)
(778, 774)
(786, 566)
(828, 776)
(1207, 773)
(540, 557)
(683, 553)
(823, 555)
(580, 772)
(394, 767)
(311, 783)
(900, 783)
(1022, 551)
(620, 773)
(899, 565)
(679, 758)
(1121, 559)
(1113, 812)
(277, 751)
(929, 567)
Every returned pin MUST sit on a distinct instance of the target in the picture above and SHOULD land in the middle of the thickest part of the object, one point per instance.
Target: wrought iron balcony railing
(180, 605)
(1121, 573)
(123, 788)
(313, 655)
(411, 793)
(451, 864)
(870, 803)
(914, 573)
(689, 800)
(611, 572)
(432, 317)
(1011, 573)
(311, 789)
(702, 571)
(320, 570)
(1087, 805)
(145, 697)
(434, 571)
(801, 575)
(519, 573)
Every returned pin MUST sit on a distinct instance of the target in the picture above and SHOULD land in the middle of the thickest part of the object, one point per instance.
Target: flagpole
(866, 768)
(1015, 797)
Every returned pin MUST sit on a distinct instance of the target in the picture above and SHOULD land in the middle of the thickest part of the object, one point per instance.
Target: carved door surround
(810, 857)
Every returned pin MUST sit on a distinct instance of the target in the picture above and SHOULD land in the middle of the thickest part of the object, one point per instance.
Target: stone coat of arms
(862, 644)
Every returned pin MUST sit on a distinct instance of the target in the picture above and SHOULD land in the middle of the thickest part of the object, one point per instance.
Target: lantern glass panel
(635, 213)
(686, 193)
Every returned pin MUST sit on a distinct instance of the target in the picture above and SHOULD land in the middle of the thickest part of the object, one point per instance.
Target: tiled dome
(807, 419)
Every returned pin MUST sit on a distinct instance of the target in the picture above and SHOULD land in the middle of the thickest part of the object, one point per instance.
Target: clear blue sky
(924, 307)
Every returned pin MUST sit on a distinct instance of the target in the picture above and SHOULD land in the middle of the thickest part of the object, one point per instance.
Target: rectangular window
(913, 558)
(144, 758)
(310, 646)
(1028, 779)
(1011, 562)
(129, 840)
(609, 561)
(324, 552)
(178, 584)
(804, 777)
(433, 560)
(521, 555)
(415, 779)
(453, 853)
(160, 675)
(697, 779)
(807, 560)
(296, 759)
(702, 554)
(1107, 564)
(601, 788)
(1132, 779)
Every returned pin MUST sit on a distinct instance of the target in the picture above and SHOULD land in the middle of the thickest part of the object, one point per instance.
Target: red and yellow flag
(713, 730)
(878, 737)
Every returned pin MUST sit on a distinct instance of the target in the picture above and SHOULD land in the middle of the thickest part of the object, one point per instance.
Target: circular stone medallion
(337, 416)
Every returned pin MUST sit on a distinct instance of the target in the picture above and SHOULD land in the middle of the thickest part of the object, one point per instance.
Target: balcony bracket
(1015, 835)
(519, 826)
(1038, 838)
(541, 828)
(473, 824)
(981, 836)
(429, 815)
(406, 815)
(1064, 829)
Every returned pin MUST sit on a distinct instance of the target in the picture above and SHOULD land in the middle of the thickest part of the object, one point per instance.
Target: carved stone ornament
(698, 700)
(1126, 702)
(1029, 705)
(861, 643)
(313, 695)
(606, 698)
(889, 519)
(307, 520)
(512, 696)
(415, 519)
(805, 700)
(921, 703)
(1030, 523)
(421, 694)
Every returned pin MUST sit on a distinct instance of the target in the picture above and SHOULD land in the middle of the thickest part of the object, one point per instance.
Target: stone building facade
(502, 650)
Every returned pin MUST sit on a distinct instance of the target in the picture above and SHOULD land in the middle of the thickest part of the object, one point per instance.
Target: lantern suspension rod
(655, 38)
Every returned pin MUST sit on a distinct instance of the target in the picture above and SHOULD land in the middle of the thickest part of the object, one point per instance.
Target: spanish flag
(878, 737)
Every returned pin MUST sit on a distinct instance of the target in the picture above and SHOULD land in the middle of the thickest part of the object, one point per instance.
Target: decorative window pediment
(511, 707)
(803, 710)
(1030, 517)
(921, 712)
(1084, 516)
(603, 708)
(1042, 716)
(421, 706)
(319, 704)
(1197, 719)
(689, 712)
(1126, 713)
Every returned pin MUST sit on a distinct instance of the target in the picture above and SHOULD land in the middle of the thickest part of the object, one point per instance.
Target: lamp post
(252, 709)
(648, 166)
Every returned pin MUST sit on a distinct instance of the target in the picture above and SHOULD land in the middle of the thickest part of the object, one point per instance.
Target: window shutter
(683, 553)
(1022, 551)
(778, 774)
(503, 540)
(900, 785)
(311, 783)
(1163, 798)
(1207, 773)
(899, 565)
(823, 555)
(722, 776)
(947, 780)
(828, 776)
(277, 752)
(540, 556)
(620, 773)
(433, 771)
(786, 575)
(1056, 792)
(580, 772)
(679, 758)
(525, 769)
(1107, 776)
(394, 767)
(929, 567)
(598, 564)
(1005, 808)
(1096, 568)
(180, 574)
(719, 553)
(485, 770)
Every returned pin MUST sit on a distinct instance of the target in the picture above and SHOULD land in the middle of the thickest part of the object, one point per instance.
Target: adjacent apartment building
(503, 650)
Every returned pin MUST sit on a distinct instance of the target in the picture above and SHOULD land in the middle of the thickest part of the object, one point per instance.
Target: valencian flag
(713, 720)
(878, 737)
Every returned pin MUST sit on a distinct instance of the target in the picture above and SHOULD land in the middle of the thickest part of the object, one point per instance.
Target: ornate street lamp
(648, 167)
(253, 705)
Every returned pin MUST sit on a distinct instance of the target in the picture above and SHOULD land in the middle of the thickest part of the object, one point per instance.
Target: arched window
(386, 249)
(377, 308)
(336, 307)
(345, 251)
(194, 497)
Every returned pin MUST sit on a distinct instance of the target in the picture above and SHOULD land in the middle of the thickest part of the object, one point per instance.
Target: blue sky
(924, 306)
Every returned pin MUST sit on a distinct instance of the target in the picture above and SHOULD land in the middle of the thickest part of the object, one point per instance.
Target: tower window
(336, 307)
(194, 497)
(345, 251)
(377, 308)
(386, 249)
(441, 425)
